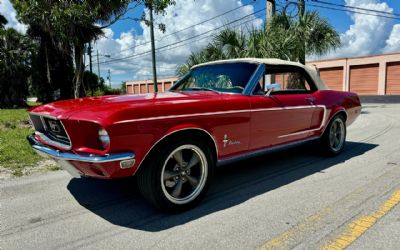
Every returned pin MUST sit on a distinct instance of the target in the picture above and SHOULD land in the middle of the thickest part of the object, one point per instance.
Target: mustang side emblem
(229, 142)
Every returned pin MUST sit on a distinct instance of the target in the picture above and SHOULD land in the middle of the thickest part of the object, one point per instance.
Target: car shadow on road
(119, 202)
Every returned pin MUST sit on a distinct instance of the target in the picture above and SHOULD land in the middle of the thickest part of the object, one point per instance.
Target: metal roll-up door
(393, 78)
(136, 89)
(130, 89)
(332, 77)
(364, 79)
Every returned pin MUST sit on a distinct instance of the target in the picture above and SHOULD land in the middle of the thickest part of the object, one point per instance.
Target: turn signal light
(104, 138)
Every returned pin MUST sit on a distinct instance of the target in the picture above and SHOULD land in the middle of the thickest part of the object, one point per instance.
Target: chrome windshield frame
(251, 84)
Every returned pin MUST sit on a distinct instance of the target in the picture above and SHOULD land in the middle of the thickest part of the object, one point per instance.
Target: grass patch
(16, 155)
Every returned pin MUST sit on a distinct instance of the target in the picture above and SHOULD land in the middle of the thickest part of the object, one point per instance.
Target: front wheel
(176, 177)
(334, 137)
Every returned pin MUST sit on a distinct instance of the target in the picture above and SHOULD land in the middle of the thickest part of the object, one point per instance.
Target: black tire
(332, 141)
(168, 180)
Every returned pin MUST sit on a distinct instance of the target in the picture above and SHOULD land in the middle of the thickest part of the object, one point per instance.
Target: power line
(178, 31)
(357, 8)
(184, 40)
(353, 11)
(181, 45)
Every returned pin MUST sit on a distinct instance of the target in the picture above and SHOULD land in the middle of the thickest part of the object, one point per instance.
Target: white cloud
(8, 11)
(368, 33)
(393, 42)
(184, 14)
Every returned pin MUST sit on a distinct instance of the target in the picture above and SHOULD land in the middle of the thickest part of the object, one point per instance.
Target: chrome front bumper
(64, 157)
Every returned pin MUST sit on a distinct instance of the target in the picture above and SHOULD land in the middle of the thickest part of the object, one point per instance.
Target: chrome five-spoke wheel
(183, 174)
(176, 175)
(334, 137)
(337, 134)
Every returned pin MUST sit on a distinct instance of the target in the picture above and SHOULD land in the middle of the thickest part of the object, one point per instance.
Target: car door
(284, 115)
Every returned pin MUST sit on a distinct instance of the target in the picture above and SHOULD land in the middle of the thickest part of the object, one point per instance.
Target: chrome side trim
(214, 113)
(323, 123)
(175, 131)
(185, 115)
(264, 151)
(69, 156)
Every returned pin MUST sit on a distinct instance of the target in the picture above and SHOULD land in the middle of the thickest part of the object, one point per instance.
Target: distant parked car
(219, 112)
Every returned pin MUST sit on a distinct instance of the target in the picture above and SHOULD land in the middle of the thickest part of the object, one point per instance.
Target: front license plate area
(69, 168)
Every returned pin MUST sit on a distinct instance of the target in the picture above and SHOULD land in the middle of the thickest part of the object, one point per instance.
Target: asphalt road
(292, 199)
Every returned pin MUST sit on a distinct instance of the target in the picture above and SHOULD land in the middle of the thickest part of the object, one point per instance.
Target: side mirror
(272, 87)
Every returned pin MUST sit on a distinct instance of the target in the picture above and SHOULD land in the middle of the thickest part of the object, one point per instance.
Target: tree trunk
(47, 64)
(78, 76)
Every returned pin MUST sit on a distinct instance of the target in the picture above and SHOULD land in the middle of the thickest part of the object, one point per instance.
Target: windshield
(227, 77)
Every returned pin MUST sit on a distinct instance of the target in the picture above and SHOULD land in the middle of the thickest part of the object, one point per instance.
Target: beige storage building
(366, 75)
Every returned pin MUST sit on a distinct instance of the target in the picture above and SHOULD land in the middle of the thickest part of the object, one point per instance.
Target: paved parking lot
(292, 199)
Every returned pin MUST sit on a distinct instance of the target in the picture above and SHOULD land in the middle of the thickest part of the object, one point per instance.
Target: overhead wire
(185, 44)
(183, 40)
(357, 8)
(186, 28)
(346, 9)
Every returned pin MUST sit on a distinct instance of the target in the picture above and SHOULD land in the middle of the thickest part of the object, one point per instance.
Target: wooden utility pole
(270, 10)
(153, 50)
(90, 57)
(301, 7)
(98, 64)
(109, 77)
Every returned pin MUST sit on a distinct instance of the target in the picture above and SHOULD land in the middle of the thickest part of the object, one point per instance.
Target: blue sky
(360, 34)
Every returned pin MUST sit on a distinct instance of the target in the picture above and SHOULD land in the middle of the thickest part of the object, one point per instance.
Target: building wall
(146, 86)
(368, 75)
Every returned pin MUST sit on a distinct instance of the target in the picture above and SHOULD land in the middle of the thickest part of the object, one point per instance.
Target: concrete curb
(380, 99)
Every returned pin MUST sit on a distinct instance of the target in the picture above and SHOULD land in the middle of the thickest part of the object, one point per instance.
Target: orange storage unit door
(393, 78)
(333, 77)
(282, 79)
(159, 87)
(167, 85)
(151, 88)
(136, 88)
(143, 88)
(130, 89)
(364, 79)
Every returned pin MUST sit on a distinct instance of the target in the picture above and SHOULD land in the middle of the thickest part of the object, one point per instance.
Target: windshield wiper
(203, 89)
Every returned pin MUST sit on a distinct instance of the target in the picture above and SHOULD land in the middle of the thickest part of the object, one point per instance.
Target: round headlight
(104, 138)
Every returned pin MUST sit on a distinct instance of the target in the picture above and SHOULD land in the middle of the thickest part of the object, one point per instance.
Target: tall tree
(71, 24)
(3, 21)
(285, 38)
(16, 51)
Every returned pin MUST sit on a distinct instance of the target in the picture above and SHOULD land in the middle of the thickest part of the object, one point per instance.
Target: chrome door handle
(310, 99)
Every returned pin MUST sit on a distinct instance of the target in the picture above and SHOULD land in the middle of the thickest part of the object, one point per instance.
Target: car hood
(98, 108)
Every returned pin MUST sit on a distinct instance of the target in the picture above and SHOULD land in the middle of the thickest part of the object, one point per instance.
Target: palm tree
(3, 21)
(284, 38)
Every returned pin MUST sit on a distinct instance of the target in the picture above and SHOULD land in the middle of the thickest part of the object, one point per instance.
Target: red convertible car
(217, 113)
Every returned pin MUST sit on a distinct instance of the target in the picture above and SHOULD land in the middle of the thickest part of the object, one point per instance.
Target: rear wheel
(334, 137)
(176, 176)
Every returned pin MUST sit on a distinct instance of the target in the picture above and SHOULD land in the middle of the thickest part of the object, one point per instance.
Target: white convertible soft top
(312, 71)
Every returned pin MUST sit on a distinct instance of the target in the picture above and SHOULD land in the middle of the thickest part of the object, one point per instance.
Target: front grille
(52, 128)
